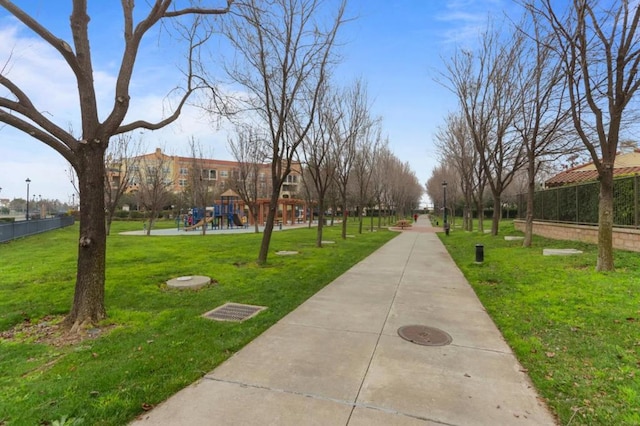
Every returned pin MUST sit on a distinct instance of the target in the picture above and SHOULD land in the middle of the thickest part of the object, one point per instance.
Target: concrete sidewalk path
(338, 359)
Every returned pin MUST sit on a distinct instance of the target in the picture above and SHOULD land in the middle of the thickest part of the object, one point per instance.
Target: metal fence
(579, 203)
(13, 230)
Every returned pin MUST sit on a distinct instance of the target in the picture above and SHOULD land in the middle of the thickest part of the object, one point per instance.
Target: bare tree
(485, 85)
(350, 120)
(541, 114)
(406, 190)
(600, 48)
(447, 173)
(367, 150)
(248, 148)
(202, 183)
(283, 55)
(86, 152)
(317, 156)
(456, 150)
(379, 178)
(120, 164)
(153, 185)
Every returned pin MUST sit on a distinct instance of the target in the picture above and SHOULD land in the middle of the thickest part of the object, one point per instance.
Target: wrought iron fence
(11, 231)
(579, 203)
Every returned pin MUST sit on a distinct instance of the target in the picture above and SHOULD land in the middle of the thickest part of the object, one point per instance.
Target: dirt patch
(49, 331)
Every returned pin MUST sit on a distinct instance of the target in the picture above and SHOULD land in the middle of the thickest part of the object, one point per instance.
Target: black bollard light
(479, 253)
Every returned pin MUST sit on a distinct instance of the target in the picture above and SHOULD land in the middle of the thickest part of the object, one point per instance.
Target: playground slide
(237, 221)
(199, 224)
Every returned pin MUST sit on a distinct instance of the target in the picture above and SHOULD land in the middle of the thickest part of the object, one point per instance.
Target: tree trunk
(268, 228)
(497, 213)
(480, 209)
(528, 225)
(605, 221)
(109, 218)
(345, 217)
(371, 220)
(320, 222)
(469, 202)
(254, 212)
(88, 303)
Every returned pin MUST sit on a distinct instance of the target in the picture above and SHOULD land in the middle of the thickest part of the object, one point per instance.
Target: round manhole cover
(423, 335)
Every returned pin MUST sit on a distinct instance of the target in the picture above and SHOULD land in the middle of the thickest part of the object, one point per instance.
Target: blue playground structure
(227, 213)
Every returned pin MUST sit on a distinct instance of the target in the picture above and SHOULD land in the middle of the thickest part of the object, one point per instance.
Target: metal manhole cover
(423, 335)
(234, 312)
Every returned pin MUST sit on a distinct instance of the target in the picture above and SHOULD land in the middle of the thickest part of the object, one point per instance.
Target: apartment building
(177, 174)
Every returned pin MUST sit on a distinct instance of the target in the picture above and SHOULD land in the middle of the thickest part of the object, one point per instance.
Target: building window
(184, 171)
(209, 174)
(182, 182)
(262, 177)
(292, 179)
(224, 174)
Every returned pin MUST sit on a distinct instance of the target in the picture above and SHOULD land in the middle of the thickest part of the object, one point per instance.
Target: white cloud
(45, 77)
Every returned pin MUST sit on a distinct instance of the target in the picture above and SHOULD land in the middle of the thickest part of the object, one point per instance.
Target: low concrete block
(560, 252)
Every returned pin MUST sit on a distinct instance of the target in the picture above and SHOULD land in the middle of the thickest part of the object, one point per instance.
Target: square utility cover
(234, 312)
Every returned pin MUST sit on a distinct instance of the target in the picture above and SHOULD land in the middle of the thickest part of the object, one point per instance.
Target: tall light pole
(445, 224)
(28, 182)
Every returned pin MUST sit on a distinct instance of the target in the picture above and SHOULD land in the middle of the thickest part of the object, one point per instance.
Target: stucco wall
(625, 239)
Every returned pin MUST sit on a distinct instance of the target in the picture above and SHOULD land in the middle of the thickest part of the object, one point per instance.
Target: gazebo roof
(230, 193)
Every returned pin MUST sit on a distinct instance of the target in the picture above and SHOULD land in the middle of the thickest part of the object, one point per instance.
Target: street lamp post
(445, 224)
(28, 182)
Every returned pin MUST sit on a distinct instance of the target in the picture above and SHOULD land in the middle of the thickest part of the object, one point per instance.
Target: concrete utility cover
(560, 252)
(190, 282)
(423, 335)
(286, 253)
(328, 242)
(351, 236)
(513, 238)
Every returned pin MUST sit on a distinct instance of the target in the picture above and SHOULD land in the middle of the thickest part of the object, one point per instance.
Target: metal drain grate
(423, 335)
(234, 312)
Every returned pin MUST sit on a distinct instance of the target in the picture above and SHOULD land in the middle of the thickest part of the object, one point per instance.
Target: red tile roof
(625, 164)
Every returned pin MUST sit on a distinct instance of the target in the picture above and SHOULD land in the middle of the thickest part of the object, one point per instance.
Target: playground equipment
(200, 223)
(226, 213)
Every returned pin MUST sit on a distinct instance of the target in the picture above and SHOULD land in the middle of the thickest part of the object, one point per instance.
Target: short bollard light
(479, 253)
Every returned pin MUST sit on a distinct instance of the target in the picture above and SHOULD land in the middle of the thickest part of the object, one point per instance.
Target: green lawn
(576, 331)
(155, 341)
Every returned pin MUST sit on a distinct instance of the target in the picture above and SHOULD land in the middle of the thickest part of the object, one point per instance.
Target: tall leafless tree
(317, 156)
(542, 116)
(351, 118)
(284, 52)
(379, 178)
(484, 82)
(86, 152)
(153, 189)
(202, 186)
(248, 148)
(120, 164)
(367, 151)
(456, 150)
(600, 47)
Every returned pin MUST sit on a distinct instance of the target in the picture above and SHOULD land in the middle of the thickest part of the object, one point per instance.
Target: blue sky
(396, 47)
